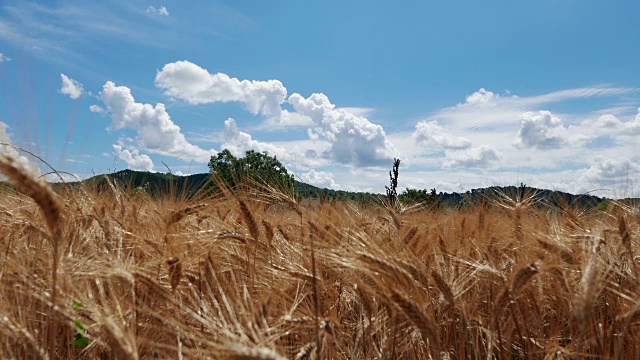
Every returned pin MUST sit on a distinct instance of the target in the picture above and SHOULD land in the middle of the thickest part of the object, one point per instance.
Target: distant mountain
(157, 184)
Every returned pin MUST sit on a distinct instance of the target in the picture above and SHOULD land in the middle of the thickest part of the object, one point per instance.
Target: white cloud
(354, 139)
(157, 133)
(359, 111)
(481, 96)
(97, 109)
(479, 157)
(287, 119)
(133, 158)
(75, 161)
(486, 111)
(4, 58)
(612, 172)
(71, 87)
(541, 131)
(610, 124)
(578, 93)
(10, 151)
(431, 134)
(320, 179)
(633, 127)
(161, 11)
(189, 82)
(239, 142)
(306, 154)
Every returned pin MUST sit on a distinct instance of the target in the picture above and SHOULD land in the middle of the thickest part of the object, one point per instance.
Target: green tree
(412, 196)
(224, 165)
(602, 206)
(420, 196)
(254, 166)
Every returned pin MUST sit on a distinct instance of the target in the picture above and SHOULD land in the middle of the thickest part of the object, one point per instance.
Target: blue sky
(467, 94)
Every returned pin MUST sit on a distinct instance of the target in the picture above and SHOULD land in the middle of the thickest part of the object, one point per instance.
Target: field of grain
(116, 274)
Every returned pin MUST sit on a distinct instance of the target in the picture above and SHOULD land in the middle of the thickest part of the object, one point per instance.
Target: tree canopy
(422, 196)
(256, 166)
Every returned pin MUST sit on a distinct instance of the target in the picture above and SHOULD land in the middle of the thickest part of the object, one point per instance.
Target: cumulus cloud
(71, 87)
(157, 133)
(359, 111)
(611, 172)
(286, 119)
(608, 121)
(239, 142)
(540, 130)
(10, 151)
(481, 97)
(97, 109)
(133, 158)
(431, 134)
(320, 179)
(189, 82)
(4, 58)
(354, 139)
(161, 11)
(610, 124)
(305, 154)
(479, 157)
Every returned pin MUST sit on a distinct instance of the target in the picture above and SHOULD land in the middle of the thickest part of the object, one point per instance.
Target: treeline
(306, 191)
(161, 184)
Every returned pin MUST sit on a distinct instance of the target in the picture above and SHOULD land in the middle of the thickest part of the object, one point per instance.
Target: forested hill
(154, 184)
(162, 183)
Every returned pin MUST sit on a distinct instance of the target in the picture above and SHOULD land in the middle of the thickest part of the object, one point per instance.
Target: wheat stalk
(42, 194)
(175, 271)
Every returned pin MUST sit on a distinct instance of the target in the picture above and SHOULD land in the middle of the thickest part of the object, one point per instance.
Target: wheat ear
(418, 318)
(41, 193)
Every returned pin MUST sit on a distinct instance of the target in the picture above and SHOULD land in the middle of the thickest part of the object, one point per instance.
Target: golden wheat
(269, 277)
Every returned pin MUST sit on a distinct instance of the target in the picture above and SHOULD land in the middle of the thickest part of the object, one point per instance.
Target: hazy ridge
(161, 183)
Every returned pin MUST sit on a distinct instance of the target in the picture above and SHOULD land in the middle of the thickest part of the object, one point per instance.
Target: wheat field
(256, 274)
